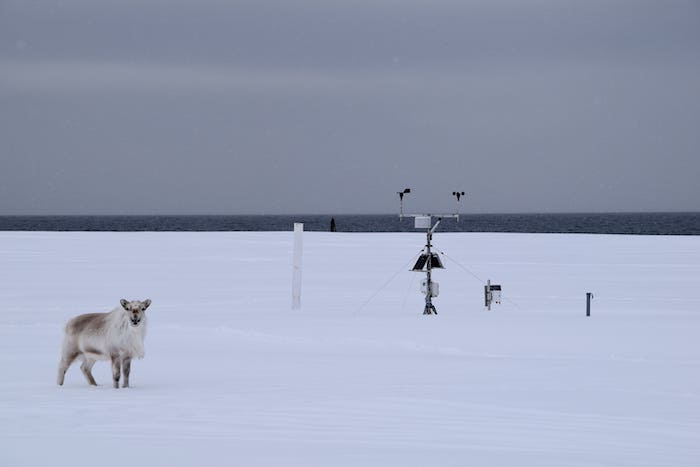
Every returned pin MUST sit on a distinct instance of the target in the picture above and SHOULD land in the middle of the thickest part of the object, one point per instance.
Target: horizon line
(530, 213)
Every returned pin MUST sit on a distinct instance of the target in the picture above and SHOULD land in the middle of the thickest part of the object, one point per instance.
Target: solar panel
(436, 262)
(420, 264)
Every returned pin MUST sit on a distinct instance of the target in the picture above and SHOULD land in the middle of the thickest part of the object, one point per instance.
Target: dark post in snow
(487, 295)
(332, 224)
(589, 296)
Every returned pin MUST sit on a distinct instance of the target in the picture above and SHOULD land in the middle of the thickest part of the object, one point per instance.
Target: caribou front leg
(116, 370)
(126, 369)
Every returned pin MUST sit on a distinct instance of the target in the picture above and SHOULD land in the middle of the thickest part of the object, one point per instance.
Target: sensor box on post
(422, 222)
(434, 288)
(492, 293)
(496, 293)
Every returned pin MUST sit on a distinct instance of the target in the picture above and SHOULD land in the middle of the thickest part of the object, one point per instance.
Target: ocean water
(608, 223)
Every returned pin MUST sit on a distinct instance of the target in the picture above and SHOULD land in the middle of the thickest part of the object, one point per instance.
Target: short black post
(488, 297)
(588, 303)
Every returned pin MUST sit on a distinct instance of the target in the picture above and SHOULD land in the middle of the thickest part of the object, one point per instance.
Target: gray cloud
(246, 107)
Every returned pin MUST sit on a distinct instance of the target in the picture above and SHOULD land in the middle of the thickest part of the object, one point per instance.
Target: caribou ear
(124, 303)
(146, 303)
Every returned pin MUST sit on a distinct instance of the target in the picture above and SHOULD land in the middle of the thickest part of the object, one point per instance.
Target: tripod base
(430, 309)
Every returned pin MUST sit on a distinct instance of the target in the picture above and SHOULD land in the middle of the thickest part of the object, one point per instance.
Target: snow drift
(233, 376)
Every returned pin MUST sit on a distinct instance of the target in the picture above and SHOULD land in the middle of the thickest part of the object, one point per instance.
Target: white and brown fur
(117, 336)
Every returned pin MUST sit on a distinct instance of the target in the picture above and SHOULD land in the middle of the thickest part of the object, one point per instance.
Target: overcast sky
(321, 106)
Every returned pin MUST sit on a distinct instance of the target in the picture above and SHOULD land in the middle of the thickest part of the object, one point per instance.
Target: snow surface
(233, 376)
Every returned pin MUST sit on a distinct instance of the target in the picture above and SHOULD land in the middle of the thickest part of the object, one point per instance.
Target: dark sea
(623, 223)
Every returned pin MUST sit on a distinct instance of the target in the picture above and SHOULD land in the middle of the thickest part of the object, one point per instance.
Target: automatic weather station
(428, 259)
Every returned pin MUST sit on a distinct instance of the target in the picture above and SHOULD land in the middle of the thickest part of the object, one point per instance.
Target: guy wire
(387, 282)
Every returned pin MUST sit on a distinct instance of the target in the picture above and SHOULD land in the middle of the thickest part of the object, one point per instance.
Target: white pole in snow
(296, 266)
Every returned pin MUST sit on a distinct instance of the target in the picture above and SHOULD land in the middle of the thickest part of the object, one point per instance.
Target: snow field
(233, 376)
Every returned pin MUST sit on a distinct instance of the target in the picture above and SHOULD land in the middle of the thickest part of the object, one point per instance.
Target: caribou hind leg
(66, 360)
(86, 368)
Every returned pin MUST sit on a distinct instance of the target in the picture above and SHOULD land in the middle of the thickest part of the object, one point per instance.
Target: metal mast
(429, 307)
(426, 259)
